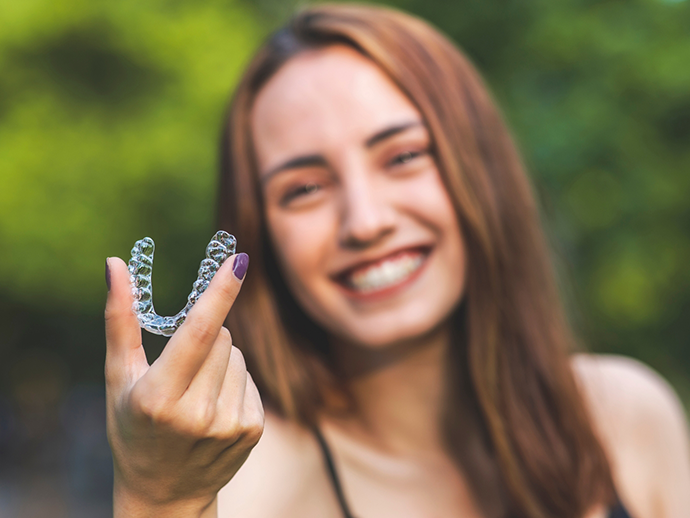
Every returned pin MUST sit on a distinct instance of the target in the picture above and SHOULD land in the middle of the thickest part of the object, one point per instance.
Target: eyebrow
(389, 132)
(319, 160)
(295, 163)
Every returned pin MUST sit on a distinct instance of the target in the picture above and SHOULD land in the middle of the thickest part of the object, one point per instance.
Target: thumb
(125, 356)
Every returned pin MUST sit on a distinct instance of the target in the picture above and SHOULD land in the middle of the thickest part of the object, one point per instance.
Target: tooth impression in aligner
(221, 247)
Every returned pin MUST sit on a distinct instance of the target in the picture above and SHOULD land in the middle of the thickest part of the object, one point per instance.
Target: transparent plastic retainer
(221, 247)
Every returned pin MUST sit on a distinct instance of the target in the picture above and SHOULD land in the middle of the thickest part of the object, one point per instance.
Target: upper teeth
(385, 274)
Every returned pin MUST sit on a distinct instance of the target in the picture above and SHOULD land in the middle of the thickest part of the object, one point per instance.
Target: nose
(367, 216)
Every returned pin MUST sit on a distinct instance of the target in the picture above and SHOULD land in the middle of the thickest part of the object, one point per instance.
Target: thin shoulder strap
(328, 458)
(619, 511)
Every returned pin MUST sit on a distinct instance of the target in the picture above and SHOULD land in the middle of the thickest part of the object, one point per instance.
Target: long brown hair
(515, 421)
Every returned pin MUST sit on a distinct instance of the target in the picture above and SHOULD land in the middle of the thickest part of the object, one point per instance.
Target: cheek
(430, 202)
(428, 198)
(301, 242)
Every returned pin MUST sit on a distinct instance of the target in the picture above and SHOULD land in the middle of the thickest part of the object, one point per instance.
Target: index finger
(189, 346)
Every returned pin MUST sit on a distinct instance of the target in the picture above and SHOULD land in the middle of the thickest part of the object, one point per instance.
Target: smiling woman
(400, 317)
(373, 251)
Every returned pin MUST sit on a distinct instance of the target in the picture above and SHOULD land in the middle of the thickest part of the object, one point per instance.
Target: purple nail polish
(240, 266)
(107, 274)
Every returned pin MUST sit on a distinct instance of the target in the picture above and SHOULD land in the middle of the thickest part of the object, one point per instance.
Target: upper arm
(262, 485)
(283, 476)
(644, 431)
(663, 434)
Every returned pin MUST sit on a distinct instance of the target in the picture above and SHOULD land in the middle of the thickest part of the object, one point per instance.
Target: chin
(393, 330)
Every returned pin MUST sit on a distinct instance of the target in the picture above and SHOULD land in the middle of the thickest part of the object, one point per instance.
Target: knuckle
(110, 311)
(152, 407)
(253, 430)
(244, 431)
(231, 432)
(203, 329)
(115, 315)
(201, 420)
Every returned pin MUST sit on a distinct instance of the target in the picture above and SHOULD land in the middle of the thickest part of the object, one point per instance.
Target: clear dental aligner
(221, 247)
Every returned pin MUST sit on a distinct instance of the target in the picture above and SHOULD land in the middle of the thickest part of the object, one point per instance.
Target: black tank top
(617, 511)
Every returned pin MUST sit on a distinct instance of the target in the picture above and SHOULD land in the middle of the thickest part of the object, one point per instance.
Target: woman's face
(362, 225)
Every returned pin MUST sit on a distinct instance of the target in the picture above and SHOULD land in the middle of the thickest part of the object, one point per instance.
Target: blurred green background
(110, 115)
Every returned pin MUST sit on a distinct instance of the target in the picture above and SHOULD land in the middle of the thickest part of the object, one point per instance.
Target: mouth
(386, 275)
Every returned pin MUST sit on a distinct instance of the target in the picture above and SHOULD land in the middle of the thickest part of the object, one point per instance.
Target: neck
(398, 391)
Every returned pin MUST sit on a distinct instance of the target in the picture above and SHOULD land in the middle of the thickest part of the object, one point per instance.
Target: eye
(299, 191)
(405, 157)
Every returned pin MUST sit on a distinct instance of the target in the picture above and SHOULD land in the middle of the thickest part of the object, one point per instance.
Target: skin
(180, 428)
(365, 204)
(353, 204)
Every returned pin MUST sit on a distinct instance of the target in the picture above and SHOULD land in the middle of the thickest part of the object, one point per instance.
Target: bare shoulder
(627, 388)
(627, 396)
(283, 476)
(643, 428)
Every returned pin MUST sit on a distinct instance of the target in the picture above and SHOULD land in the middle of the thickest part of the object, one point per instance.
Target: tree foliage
(110, 116)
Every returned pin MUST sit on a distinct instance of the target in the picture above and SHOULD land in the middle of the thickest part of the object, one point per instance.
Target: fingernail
(107, 274)
(240, 266)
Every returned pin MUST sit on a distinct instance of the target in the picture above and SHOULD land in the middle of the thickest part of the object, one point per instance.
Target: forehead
(322, 98)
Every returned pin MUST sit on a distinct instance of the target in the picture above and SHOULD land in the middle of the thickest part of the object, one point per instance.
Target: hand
(180, 428)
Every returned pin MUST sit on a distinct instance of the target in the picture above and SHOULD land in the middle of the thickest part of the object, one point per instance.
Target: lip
(344, 272)
(340, 277)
